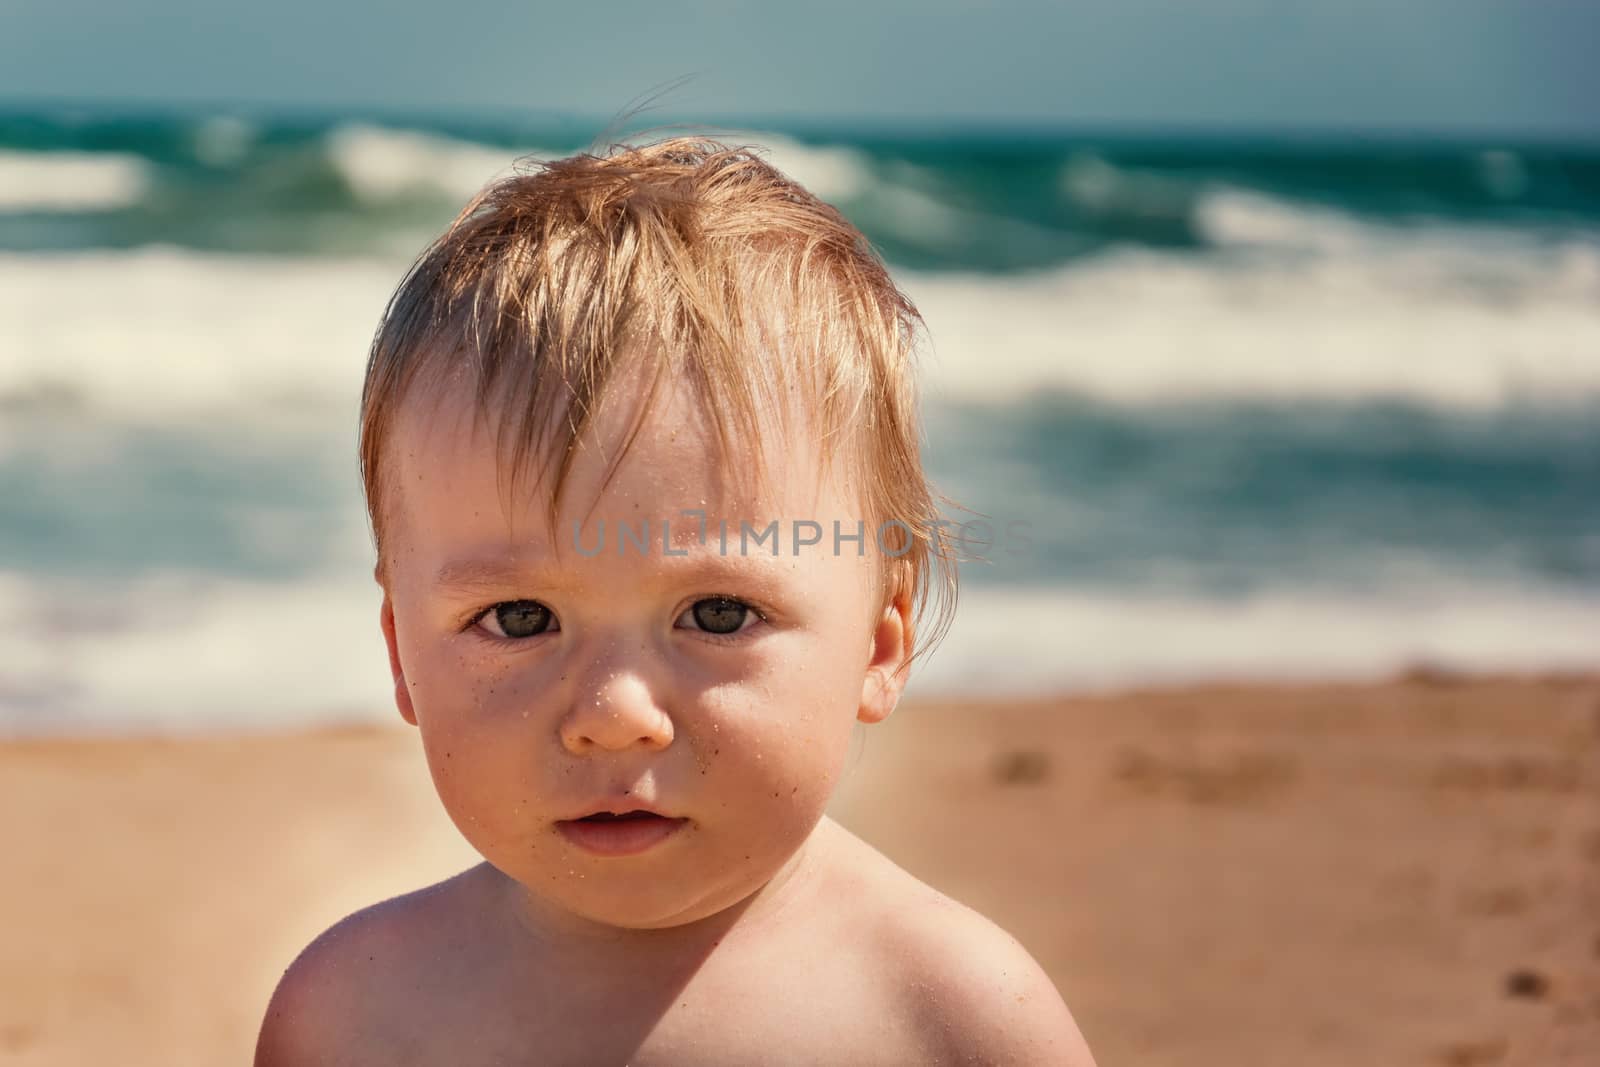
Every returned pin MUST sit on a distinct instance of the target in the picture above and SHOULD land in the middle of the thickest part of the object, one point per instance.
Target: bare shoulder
(339, 1002)
(970, 989)
(983, 998)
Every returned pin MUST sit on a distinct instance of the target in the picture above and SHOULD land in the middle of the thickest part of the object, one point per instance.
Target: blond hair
(690, 257)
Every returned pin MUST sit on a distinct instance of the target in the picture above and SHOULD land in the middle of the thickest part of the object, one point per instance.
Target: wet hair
(685, 258)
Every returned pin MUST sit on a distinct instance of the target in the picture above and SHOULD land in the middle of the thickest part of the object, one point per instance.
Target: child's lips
(606, 833)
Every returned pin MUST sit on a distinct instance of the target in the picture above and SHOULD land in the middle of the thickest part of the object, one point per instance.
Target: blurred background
(1275, 326)
(1267, 335)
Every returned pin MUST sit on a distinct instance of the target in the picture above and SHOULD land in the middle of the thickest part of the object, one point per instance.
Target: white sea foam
(1446, 324)
(160, 333)
(1046, 640)
(1236, 217)
(1493, 254)
(185, 652)
(381, 164)
(1440, 320)
(832, 172)
(70, 181)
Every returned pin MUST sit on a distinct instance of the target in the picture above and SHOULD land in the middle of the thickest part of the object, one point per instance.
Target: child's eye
(516, 619)
(720, 616)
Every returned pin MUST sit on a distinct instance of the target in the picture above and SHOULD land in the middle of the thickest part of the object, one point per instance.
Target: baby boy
(641, 452)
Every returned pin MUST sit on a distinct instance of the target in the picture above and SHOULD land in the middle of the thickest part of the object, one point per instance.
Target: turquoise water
(991, 204)
(1262, 407)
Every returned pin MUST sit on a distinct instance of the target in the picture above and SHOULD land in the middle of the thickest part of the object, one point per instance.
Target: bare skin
(857, 963)
(548, 686)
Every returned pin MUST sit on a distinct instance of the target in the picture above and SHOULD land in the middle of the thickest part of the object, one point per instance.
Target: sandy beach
(1315, 875)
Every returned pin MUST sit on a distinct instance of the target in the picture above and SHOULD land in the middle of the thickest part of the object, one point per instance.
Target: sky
(1503, 66)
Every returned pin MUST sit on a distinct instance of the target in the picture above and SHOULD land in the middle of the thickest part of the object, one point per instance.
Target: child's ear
(402, 692)
(889, 666)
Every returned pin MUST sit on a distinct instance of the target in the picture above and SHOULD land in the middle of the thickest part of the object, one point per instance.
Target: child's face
(622, 682)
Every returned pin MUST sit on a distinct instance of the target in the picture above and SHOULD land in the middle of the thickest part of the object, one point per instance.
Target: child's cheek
(777, 755)
(477, 739)
(492, 792)
(469, 688)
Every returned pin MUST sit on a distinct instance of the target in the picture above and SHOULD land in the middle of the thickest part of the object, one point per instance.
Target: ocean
(1262, 408)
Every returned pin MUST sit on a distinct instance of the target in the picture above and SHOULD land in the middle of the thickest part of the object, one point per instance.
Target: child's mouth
(605, 833)
(611, 816)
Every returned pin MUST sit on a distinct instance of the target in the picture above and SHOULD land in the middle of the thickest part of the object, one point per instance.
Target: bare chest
(807, 1012)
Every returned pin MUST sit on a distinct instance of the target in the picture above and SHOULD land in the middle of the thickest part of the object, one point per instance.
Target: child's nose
(616, 714)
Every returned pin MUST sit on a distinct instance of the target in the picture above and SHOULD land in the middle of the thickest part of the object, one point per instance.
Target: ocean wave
(66, 181)
(1234, 218)
(223, 140)
(161, 332)
(367, 187)
(176, 652)
(1099, 187)
(381, 164)
(1049, 640)
(1449, 323)
(835, 173)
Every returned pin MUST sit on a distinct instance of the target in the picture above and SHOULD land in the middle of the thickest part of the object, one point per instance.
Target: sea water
(1252, 408)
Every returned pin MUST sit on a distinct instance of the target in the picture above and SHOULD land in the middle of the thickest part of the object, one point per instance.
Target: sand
(1325, 874)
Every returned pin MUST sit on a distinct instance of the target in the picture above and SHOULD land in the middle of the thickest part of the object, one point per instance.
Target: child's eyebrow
(488, 573)
(499, 572)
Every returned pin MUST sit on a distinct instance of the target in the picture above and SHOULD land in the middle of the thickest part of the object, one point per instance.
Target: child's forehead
(638, 450)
